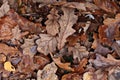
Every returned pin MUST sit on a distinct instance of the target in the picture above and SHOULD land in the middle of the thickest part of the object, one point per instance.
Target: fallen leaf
(4, 8)
(102, 62)
(66, 22)
(71, 76)
(46, 44)
(41, 60)
(82, 64)
(8, 66)
(2, 58)
(78, 51)
(114, 73)
(7, 49)
(6, 26)
(26, 65)
(29, 47)
(24, 24)
(52, 25)
(107, 5)
(17, 35)
(58, 62)
(48, 73)
(87, 76)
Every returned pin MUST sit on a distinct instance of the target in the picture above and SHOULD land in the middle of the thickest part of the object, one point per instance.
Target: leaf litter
(59, 40)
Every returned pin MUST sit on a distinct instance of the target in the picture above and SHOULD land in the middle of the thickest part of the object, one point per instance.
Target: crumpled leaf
(48, 73)
(7, 49)
(71, 76)
(2, 58)
(100, 74)
(8, 66)
(6, 26)
(58, 62)
(78, 51)
(52, 24)
(102, 62)
(114, 73)
(29, 47)
(24, 24)
(107, 5)
(4, 8)
(80, 68)
(46, 44)
(41, 60)
(17, 35)
(66, 22)
(27, 65)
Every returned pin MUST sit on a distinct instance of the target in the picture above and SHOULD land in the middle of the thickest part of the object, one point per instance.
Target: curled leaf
(58, 62)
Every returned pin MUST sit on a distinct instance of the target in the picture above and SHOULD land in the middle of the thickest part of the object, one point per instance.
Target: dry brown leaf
(58, 62)
(71, 76)
(48, 73)
(17, 35)
(2, 58)
(26, 65)
(52, 24)
(29, 47)
(102, 62)
(41, 60)
(24, 24)
(107, 5)
(4, 8)
(66, 22)
(80, 69)
(78, 51)
(6, 26)
(114, 73)
(7, 49)
(79, 6)
(46, 44)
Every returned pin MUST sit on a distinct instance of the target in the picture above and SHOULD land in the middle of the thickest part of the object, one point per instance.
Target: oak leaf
(52, 24)
(29, 47)
(66, 22)
(46, 44)
(48, 73)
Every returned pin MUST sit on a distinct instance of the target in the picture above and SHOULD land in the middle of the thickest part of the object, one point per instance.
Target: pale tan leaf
(52, 24)
(87, 76)
(46, 44)
(58, 62)
(66, 22)
(29, 47)
(4, 9)
(48, 73)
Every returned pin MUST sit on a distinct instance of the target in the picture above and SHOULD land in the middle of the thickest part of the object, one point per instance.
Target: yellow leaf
(8, 66)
